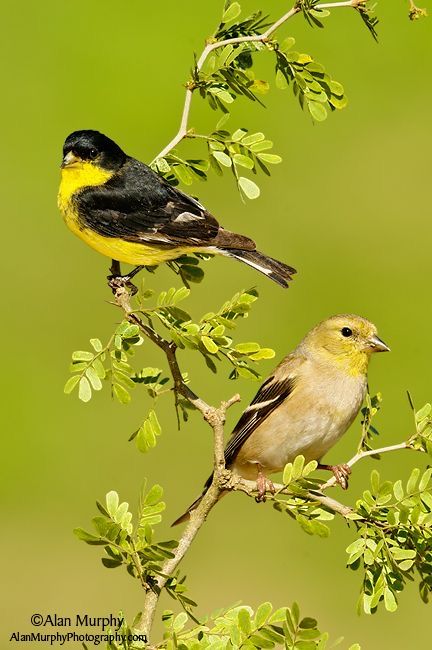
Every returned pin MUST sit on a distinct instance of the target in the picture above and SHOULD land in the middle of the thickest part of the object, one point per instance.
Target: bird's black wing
(139, 206)
(271, 394)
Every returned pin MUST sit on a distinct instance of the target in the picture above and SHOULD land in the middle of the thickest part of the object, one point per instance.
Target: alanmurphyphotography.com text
(112, 630)
(60, 638)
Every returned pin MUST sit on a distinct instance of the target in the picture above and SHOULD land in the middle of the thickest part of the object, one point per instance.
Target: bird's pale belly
(285, 434)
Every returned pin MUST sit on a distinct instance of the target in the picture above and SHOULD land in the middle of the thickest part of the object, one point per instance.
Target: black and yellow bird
(124, 210)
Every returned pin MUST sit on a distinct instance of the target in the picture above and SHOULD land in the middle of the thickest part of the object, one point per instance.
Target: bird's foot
(264, 485)
(340, 472)
(116, 282)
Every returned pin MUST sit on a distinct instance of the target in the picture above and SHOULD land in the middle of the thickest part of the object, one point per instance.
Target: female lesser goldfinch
(306, 405)
(125, 211)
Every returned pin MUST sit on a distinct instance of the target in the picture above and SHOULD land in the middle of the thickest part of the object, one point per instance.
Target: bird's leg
(134, 271)
(263, 485)
(116, 272)
(117, 280)
(115, 268)
(340, 472)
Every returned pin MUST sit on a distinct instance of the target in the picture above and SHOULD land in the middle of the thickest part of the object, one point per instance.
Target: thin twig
(210, 47)
(335, 5)
(363, 454)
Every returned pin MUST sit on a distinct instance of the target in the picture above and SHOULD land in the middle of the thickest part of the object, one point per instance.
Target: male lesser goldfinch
(306, 405)
(125, 211)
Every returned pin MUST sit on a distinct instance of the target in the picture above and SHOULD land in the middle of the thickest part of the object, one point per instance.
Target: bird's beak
(376, 345)
(69, 160)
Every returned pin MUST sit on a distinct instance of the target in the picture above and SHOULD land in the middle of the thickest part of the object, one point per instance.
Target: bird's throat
(77, 177)
(356, 364)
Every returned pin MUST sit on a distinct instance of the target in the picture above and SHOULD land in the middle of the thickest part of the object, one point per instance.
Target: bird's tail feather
(274, 269)
(185, 516)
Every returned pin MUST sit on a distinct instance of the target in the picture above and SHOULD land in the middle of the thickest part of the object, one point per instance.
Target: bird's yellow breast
(85, 174)
(78, 176)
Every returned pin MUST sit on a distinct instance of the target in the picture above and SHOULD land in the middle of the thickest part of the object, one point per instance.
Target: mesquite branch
(256, 38)
(216, 419)
(364, 454)
(231, 482)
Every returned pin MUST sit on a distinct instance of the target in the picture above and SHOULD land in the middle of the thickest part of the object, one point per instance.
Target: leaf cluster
(145, 437)
(299, 504)
(179, 170)
(250, 26)
(241, 627)
(109, 361)
(394, 538)
(367, 13)
(312, 13)
(368, 412)
(228, 73)
(422, 438)
(393, 521)
(238, 152)
(313, 87)
(129, 634)
(210, 335)
(130, 543)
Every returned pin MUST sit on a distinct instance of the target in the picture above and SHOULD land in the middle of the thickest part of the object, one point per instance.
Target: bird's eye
(93, 153)
(346, 331)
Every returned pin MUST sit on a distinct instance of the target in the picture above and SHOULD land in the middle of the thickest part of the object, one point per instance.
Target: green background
(349, 207)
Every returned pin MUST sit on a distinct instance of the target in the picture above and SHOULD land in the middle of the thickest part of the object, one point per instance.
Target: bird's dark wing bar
(271, 394)
(137, 205)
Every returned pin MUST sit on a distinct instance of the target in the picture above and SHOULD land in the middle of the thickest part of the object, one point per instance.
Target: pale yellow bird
(306, 405)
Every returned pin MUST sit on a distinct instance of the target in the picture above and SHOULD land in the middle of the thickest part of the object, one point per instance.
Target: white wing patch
(156, 237)
(186, 217)
(260, 405)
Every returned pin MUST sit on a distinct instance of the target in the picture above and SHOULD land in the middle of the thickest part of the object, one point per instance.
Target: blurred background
(349, 207)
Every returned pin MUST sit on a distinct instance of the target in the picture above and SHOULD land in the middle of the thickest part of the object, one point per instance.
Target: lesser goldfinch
(306, 405)
(124, 210)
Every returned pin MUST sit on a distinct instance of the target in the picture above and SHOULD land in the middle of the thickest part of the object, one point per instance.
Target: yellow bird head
(347, 339)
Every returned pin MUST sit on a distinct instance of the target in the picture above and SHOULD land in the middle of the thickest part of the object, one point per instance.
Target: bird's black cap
(95, 146)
